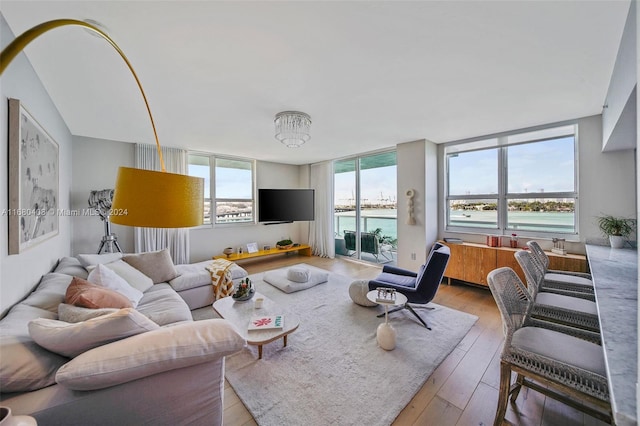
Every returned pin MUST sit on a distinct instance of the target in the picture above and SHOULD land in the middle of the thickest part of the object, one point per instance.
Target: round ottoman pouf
(358, 291)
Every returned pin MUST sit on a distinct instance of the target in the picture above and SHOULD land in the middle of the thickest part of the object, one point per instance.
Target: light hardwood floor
(463, 390)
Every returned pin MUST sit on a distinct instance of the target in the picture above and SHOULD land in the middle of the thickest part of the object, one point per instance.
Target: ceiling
(370, 74)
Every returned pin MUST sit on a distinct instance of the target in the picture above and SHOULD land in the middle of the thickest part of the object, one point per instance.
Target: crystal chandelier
(292, 128)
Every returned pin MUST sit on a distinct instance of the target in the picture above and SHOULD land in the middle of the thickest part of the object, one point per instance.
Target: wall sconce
(144, 198)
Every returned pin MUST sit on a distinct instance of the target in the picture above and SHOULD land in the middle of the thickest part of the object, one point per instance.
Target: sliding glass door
(365, 207)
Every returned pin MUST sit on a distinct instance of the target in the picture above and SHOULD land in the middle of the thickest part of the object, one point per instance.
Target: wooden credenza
(472, 262)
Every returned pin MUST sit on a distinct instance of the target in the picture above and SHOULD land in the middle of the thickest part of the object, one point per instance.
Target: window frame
(212, 190)
(501, 143)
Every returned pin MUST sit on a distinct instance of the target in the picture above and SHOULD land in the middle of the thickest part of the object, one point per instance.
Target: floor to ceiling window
(365, 207)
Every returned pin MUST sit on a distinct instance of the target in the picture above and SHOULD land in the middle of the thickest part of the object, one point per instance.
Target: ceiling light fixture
(143, 198)
(292, 128)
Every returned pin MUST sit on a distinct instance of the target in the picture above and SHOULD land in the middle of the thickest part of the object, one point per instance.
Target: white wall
(207, 242)
(607, 181)
(19, 273)
(95, 166)
(417, 170)
(606, 184)
(619, 114)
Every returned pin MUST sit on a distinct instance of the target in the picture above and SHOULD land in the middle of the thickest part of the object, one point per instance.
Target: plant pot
(616, 241)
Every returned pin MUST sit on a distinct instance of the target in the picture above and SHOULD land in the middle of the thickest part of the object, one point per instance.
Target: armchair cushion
(398, 271)
(150, 353)
(397, 280)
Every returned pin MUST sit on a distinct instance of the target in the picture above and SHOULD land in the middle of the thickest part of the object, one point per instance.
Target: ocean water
(526, 221)
(386, 219)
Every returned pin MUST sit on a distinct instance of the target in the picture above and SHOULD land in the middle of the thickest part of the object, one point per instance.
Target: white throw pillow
(107, 278)
(96, 259)
(298, 274)
(71, 339)
(131, 275)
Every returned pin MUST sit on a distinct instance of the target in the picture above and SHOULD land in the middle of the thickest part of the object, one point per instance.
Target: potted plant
(617, 228)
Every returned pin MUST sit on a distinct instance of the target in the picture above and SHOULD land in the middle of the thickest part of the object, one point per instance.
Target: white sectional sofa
(172, 375)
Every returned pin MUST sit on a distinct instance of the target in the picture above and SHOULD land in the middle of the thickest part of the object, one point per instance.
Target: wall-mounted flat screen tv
(285, 205)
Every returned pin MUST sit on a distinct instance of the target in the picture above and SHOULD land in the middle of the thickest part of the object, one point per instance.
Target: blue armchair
(419, 288)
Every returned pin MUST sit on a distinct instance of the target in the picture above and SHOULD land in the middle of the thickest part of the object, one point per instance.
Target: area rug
(333, 372)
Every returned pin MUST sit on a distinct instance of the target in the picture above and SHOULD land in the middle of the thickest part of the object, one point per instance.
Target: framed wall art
(33, 181)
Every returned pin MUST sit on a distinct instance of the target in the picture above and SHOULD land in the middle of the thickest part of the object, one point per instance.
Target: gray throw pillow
(157, 265)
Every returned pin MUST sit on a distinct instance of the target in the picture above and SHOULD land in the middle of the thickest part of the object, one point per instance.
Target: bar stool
(569, 310)
(577, 284)
(561, 362)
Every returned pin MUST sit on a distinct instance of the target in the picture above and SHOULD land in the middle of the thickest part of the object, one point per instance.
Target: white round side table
(386, 334)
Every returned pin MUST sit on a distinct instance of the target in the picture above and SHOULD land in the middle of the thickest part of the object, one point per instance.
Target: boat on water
(460, 216)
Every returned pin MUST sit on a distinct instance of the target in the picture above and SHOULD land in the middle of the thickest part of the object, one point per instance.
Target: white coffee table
(386, 334)
(239, 314)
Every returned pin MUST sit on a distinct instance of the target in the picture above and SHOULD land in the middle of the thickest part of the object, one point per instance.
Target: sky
(544, 165)
(376, 184)
(230, 182)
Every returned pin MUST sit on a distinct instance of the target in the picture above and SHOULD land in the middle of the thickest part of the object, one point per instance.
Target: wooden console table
(472, 262)
(303, 249)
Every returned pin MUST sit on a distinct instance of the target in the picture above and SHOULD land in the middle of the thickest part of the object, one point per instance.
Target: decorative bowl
(244, 290)
(243, 297)
(228, 251)
(288, 246)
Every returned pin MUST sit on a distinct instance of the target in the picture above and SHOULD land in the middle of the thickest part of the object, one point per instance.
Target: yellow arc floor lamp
(144, 198)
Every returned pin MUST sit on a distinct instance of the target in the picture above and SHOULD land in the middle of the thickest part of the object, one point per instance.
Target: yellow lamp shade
(154, 199)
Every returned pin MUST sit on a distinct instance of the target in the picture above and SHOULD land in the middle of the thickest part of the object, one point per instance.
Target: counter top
(615, 278)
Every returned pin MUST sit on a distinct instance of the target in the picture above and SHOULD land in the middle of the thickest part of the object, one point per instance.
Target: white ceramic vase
(616, 241)
(8, 419)
(386, 336)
